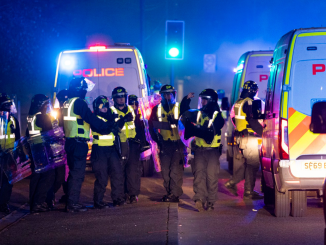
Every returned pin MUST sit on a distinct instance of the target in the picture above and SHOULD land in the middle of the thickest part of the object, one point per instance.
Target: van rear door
(307, 85)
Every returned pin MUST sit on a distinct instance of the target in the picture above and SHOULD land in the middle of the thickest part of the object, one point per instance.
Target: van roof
(103, 48)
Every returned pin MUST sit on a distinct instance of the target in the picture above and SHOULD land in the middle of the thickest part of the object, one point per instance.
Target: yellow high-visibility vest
(31, 124)
(103, 140)
(7, 136)
(162, 116)
(74, 125)
(200, 121)
(129, 129)
(240, 117)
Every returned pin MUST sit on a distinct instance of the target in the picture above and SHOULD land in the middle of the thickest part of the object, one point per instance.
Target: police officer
(163, 127)
(7, 139)
(39, 121)
(206, 166)
(105, 159)
(60, 171)
(129, 144)
(133, 167)
(246, 153)
(77, 118)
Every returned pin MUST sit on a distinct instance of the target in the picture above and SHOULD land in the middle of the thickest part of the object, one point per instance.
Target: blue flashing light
(174, 52)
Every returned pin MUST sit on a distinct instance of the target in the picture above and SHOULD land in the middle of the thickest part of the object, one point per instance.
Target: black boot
(210, 206)
(101, 205)
(75, 208)
(170, 198)
(200, 206)
(39, 208)
(119, 202)
(254, 195)
(232, 187)
(133, 199)
(4, 208)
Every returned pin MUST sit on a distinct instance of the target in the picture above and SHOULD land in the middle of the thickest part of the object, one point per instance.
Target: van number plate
(313, 165)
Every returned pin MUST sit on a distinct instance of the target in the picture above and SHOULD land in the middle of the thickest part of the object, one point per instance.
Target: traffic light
(174, 39)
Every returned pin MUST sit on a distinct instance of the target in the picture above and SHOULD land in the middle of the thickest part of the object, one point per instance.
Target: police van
(255, 66)
(293, 159)
(106, 66)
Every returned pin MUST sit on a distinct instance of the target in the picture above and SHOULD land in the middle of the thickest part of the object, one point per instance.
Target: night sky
(33, 32)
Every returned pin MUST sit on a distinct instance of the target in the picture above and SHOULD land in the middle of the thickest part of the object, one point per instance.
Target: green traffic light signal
(174, 52)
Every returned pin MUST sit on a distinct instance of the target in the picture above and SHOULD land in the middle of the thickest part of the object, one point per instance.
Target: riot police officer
(163, 127)
(105, 159)
(9, 133)
(77, 118)
(39, 121)
(60, 172)
(246, 154)
(128, 143)
(207, 149)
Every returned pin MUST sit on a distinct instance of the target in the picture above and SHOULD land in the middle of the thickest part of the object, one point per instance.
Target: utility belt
(80, 140)
(242, 138)
(201, 148)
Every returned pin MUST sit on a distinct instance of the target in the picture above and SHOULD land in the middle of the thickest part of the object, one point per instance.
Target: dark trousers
(59, 179)
(106, 163)
(246, 162)
(40, 184)
(171, 156)
(76, 158)
(131, 170)
(5, 189)
(205, 169)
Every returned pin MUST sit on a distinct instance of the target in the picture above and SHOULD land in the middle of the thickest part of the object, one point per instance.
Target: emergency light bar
(97, 48)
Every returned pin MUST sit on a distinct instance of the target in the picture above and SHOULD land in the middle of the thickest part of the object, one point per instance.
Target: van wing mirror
(257, 110)
(225, 104)
(318, 118)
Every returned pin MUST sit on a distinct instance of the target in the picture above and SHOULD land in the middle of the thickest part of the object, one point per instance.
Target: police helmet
(62, 96)
(209, 94)
(5, 102)
(100, 102)
(38, 101)
(119, 92)
(133, 100)
(250, 87)
(78, 84)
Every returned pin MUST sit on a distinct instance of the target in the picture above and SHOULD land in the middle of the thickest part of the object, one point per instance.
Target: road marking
(13, 217)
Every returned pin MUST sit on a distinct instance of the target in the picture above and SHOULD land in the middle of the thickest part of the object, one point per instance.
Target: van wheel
(299, 203)
(282, 203)
(148, 168)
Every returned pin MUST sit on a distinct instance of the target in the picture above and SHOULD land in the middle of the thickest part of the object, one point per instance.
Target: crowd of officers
(118, 139)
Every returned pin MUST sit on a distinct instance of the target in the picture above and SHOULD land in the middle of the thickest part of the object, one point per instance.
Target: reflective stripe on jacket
(74, 125)
(200, 121)
(162, 116)
(103, 140)
(240, 117)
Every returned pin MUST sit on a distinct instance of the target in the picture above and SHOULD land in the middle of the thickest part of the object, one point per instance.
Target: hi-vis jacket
(31, 124)
(162, 116)
(103, 140)
(200, 121)
(129, 129)
(240, 117)
(74, 125)
(7, 136)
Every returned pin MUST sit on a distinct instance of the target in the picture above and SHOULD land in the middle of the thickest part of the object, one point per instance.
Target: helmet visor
(168, 97)
(56, 104)
(203, 101)
(90, 85)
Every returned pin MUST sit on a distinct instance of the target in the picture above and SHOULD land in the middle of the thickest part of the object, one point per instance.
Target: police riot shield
(16, 160)
(47, 150)
(146, 104)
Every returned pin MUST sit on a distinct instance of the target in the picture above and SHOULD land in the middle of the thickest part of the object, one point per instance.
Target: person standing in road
(77, 119)
(246, 153)
(39, 121)
(163, 127)
(207, 149)
(9, 133)
(129, 146)
(105, 159)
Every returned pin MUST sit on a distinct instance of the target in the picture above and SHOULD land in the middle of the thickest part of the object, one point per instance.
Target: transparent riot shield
(16, 161)
(47, 150)
(146, 104)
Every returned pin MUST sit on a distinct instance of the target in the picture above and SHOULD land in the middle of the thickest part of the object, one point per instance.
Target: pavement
(234, 221)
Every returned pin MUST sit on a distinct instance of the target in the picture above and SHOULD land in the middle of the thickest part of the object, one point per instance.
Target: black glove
(172, 120)
(205, 133)
(128, 117)
(116, 128)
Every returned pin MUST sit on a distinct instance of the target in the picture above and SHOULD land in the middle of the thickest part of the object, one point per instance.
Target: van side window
(278, 89)
(269, 92)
